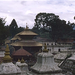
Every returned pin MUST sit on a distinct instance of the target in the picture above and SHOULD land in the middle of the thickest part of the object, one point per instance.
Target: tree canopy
(14, 29)
(56, 27)
(3, 31)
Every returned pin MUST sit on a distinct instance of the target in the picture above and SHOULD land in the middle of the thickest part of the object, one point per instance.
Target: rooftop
(21, 52)
(16, 37)
(27, 32)
(26, 43)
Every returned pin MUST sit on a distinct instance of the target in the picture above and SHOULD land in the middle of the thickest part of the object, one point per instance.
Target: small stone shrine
(45, 64)
(23, 66)
(7, 67)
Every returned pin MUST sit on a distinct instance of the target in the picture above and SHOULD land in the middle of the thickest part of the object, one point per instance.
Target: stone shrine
(23, 66)
(7, 67)
(45, 64)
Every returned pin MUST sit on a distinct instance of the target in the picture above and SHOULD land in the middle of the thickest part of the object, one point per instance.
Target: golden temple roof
(7, 41)
(26, 43)
(27, 32)
(16, 37)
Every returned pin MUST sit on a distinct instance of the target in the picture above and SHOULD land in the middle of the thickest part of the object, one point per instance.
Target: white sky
(25, 11)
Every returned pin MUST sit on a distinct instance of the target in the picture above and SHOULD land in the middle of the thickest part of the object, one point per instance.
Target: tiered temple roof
(26, 43)
(26, 39)
(27, 32)
(21, 52)
(16, 37)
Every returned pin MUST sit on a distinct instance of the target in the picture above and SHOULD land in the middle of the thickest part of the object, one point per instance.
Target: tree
(20, 29)
(42, 19)
(3, 31)
(13, 28)
(41, 22)
(57, 27)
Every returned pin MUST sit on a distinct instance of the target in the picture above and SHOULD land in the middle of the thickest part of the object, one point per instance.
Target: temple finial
(27, 26)
(21, 47)
(45, 48)
(22, 60)
(7, 57)
(19, 60)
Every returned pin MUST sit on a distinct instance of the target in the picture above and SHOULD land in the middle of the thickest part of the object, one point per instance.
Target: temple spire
(7, 57)
(22, 60)
(45, 48)
(21, 47)
(27, 27)
(19, 60)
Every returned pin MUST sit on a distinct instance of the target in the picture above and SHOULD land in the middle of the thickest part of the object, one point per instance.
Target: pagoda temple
(27, 41)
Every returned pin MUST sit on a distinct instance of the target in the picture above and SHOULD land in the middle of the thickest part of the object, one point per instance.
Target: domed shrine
(7, 67)
(45, 64)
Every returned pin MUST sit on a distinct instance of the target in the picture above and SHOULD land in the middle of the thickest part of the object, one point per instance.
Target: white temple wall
(2, 53)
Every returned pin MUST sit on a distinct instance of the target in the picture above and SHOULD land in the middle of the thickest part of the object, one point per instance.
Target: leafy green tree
(20, 29)
(3, 31)
(57, 27)
(7, 31)
(13, 28)
(41, 22)
(72, 33)
(42, 19)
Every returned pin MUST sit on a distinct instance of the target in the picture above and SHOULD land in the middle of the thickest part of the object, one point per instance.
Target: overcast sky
(25, 11)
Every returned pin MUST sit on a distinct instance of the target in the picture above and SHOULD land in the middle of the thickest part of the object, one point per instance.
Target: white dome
(9, 68)
(21, 64)
(60, 56)
(45, 54)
